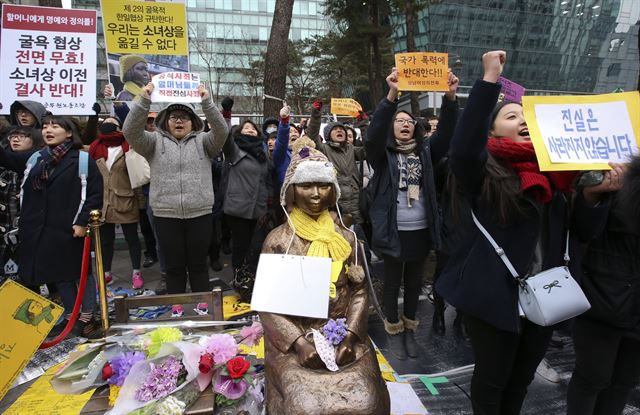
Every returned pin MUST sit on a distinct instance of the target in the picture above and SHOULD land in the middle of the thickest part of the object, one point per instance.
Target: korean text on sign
(176, 87)
(134, 27)
(584, 134)
(49, 55)
(422, 71)
(345, 106)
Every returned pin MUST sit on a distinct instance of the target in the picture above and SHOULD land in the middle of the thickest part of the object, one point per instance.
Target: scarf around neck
(521, 156)
(252, 146)
(325, 240)
(132, 88)
(410, 169)
(50, 157)
(100, 148)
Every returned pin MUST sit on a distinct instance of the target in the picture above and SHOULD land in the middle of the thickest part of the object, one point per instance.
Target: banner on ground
(26, 318)
(176, 87)
(422, 71)
(583, 132)
(143, 39)
(345, 106)
(48, 55)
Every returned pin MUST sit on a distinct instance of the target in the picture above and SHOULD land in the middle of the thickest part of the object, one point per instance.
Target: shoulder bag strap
(496, 247)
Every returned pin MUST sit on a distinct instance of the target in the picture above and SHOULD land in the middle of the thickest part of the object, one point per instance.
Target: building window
(613, 70)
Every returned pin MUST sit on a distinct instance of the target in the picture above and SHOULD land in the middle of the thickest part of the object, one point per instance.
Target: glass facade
(225, 36)
(553, 46)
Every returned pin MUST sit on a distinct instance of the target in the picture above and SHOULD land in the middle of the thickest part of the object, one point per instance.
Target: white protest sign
(292, 285)
(48, 55)
(175, 87)
(585, 132)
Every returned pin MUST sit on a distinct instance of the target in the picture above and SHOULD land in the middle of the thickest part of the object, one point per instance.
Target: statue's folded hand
(307, 355)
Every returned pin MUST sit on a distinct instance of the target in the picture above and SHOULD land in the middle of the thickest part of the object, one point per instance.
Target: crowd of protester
(408, 186)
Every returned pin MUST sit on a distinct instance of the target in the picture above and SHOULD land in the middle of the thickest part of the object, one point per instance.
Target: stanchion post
(95, 216)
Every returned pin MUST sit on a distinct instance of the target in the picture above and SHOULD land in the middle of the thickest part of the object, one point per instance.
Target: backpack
(83, 172)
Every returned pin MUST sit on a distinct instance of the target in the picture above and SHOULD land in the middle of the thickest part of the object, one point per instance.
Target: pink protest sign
(511, 90)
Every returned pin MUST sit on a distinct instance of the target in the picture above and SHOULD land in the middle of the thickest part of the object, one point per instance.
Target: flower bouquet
(234, 374)
(169, 382)
(84, 368)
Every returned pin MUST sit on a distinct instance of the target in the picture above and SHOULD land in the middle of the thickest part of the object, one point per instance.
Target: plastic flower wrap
(233, 380)
(251, 335)
(121, 365)
(172, 373)
(175, 404)
(156, 338)
(85, 369)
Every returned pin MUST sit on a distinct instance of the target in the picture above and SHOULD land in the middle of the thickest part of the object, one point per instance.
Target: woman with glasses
(181, 195)
(403, 209)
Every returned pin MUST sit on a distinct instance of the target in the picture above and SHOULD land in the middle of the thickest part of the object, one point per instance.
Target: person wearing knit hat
(344, 156)
(134, 74)
(347, 366)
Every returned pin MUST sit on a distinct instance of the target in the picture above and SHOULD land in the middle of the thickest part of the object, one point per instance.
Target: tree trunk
(378, 77)
(410, 20)
(275, 71)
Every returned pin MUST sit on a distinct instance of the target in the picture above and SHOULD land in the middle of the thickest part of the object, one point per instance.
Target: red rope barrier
(84, 272)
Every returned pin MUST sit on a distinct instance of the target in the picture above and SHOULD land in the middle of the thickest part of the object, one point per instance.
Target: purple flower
(251, 335)
(161, 380)
(223, 347)
(121, 366)
(335, 330)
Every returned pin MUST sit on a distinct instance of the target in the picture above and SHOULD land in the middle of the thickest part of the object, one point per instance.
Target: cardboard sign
(176, 87)
(48, 55)
(583, 132)
(510, 90)
(147, 28)
(143, 39)
(26, 318)
(345, 106)
(423, 71)
(293, 285)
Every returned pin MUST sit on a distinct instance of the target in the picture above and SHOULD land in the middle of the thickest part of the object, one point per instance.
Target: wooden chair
(212, 298)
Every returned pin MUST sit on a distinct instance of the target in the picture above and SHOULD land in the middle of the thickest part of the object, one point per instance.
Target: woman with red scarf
(120, 202)
(527, 212)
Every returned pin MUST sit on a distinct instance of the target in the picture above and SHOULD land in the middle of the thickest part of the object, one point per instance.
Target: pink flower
(222, 347)
(251, 335)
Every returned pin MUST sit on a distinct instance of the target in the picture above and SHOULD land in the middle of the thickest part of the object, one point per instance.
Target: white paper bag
(292, 285)
(138, 168)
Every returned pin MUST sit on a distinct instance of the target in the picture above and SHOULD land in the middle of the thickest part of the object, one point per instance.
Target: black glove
(227, 103)
(96, 108)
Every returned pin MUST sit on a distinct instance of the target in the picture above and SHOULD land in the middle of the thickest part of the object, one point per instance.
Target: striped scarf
(50, 157)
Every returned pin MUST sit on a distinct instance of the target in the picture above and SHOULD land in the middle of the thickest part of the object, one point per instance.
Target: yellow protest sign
(345, 106)
(26, 318)
(40, 398)
(145, 28)
(422, 71)
(583, 132)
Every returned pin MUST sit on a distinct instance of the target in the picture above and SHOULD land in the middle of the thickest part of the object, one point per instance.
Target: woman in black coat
(51, 229)
(606, 338)
(527, 212)
(403, 209)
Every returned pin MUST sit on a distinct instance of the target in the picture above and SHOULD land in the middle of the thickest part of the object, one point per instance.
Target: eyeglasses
(20, 137)
(22, 112)
(401, 121)
(183, 118)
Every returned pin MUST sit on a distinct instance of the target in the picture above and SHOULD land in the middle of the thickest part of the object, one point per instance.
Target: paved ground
(447, 356)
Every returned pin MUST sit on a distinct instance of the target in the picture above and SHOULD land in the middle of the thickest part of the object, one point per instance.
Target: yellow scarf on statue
(133, 88)
(325, 241)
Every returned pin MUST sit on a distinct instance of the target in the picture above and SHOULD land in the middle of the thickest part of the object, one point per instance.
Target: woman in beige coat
(120, 201)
